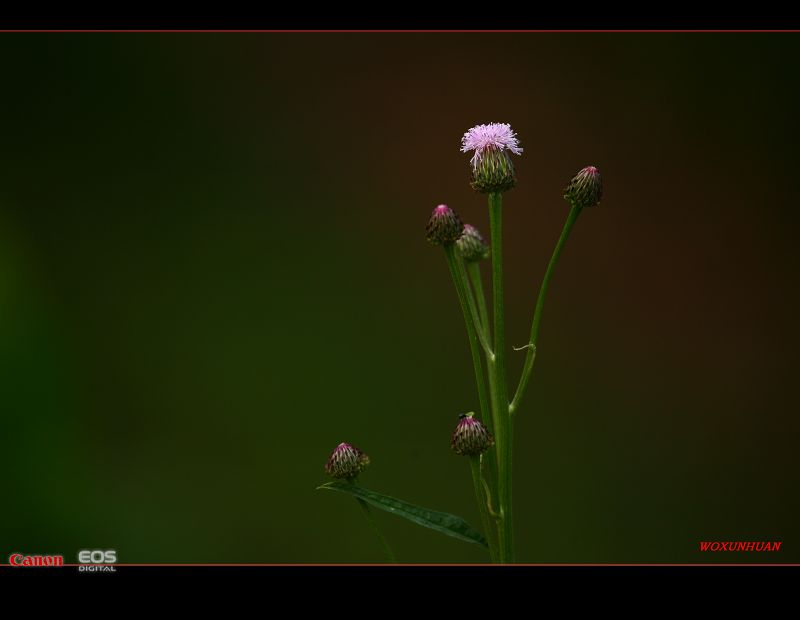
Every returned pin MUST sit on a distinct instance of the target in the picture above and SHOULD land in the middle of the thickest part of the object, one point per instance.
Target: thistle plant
(487, 442)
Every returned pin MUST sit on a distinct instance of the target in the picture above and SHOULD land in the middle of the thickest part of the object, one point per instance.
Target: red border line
(349, 31)
(548, 565)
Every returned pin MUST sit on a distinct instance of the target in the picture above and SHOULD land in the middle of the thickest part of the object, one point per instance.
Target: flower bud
(494, 173)
(346, 462)
(471, 437)
(585, 189)
(444, 227)
(471, 245)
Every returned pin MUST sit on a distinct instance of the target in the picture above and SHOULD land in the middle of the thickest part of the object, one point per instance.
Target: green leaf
(443, 522)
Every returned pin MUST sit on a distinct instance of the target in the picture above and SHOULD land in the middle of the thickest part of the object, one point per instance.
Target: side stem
(480, 497)
(468, 304)
(472, 335)
(474, 271)
(537, 315)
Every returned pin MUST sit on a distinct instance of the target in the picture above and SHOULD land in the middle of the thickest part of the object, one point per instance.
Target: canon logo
(20, 559)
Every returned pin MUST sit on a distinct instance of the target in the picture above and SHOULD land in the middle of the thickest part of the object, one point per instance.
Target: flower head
(471, 245)
(444, 227)
(471, 437)
(494, 136)
(346, 462)
(492, 168)
(585, 189)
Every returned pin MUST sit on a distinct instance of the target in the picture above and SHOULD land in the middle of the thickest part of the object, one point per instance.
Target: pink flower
(498, 136)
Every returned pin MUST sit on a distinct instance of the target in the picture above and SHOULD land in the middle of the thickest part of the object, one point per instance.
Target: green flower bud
(494, 172)
(585, 189)
(471, 245)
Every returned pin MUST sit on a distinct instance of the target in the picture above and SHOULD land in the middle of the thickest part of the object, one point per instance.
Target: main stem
(537, 315)
(371, 518)
(497, 367)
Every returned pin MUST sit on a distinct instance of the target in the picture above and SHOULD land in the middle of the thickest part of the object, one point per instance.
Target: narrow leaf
(445, 523)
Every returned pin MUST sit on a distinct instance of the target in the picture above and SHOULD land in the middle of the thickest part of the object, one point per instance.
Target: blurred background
(213, 270)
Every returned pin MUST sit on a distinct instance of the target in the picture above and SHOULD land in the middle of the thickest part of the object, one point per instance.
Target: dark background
(213, 270)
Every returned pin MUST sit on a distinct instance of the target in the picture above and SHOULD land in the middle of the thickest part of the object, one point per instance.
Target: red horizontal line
(421, 565)
(296, 31)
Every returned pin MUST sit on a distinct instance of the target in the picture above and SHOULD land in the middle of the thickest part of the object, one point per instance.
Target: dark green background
(213, 270)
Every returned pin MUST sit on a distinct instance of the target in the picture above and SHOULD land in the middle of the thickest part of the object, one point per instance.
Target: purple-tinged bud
(585, 189)
(444, 227)
(471, 245)
(491, 167)
(494, 173)
(471, 438)
(346, 462)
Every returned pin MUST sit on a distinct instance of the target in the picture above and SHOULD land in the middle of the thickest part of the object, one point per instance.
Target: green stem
(480, 325)
(471, 276)
(371, 518)
(474, 271)
(480, 496)
(488, 492)
(537, 315)
(469, 319)
(500, 393)
(468, 303)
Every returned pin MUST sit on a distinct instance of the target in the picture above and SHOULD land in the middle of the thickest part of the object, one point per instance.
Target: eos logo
(97, 561)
